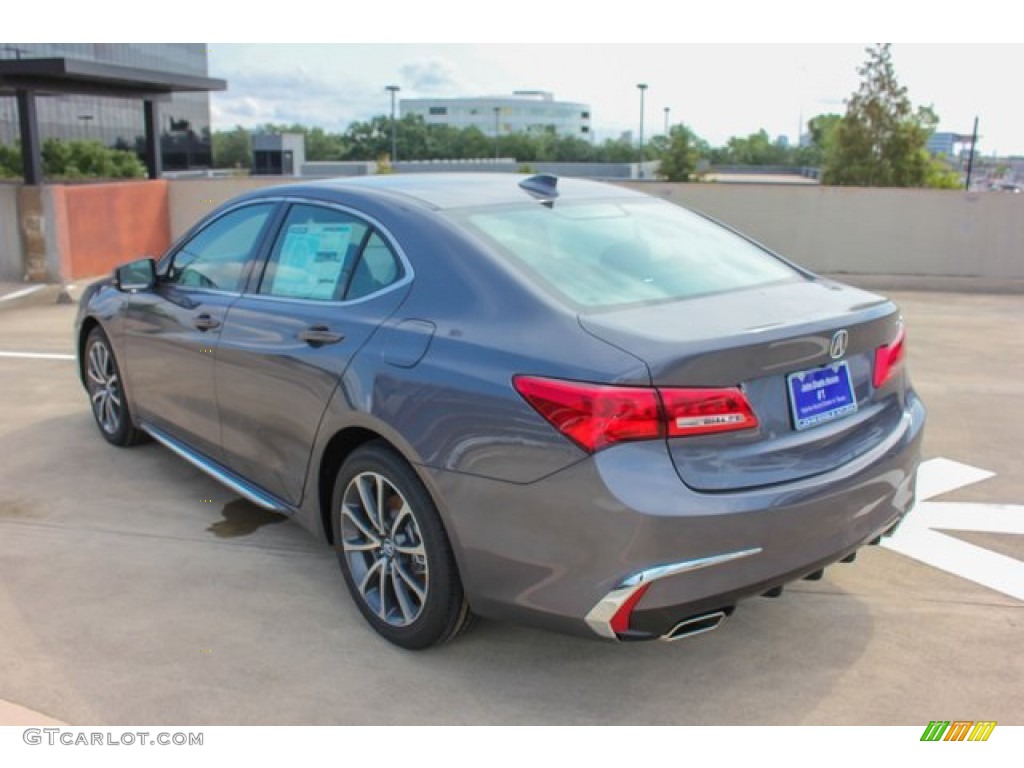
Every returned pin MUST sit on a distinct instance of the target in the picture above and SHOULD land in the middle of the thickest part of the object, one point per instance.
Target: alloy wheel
(383, 546)
(104, 387)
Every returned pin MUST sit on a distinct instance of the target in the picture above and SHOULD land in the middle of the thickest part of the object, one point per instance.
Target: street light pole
(643, 88)
(970, 158)
(394, 140)
(497, 129)
(666, 120)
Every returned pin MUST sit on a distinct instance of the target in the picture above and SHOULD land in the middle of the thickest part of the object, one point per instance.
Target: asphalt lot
(133, 589)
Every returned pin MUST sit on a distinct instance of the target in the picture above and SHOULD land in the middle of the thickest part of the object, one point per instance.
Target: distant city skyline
(718, 90)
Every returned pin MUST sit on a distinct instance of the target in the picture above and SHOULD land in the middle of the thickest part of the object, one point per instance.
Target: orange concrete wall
(104, 225)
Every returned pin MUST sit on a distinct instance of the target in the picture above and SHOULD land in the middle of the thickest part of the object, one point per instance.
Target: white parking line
(919, 536)
(39, 355)
(23, 292)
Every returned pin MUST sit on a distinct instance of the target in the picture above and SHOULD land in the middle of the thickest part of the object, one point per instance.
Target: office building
(522, 112)
(119, 123)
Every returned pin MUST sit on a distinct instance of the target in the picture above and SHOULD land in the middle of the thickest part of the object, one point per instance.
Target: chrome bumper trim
(600, 616)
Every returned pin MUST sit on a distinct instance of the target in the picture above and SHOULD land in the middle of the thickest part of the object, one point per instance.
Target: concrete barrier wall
(12, 266)
(827, 229)
(102, 225)
(191, 199)
(870, 231)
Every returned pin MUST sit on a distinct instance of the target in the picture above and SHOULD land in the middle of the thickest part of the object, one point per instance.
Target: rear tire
(106, 392)
(393, 551)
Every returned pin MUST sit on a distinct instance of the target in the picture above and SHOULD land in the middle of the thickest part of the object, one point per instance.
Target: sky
(719, 90)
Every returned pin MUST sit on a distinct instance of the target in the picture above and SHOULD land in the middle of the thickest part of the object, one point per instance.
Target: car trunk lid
(757, 339)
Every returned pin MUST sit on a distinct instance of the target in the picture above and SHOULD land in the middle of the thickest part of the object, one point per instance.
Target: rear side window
(599, 255)
(377, 268)
(327, 255)
(314, 255)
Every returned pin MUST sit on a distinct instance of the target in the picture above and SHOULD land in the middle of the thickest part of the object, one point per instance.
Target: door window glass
(377, 269)
(217, 256)
(314, 254)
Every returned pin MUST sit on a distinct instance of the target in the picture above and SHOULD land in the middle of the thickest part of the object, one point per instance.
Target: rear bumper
(554, 552)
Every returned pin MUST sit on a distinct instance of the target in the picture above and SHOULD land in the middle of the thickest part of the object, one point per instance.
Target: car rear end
(776, 430)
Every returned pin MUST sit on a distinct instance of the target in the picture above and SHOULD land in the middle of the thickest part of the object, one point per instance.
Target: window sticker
(311, 260)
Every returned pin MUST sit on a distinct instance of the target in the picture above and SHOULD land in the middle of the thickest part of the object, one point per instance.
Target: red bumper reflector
(620, 621)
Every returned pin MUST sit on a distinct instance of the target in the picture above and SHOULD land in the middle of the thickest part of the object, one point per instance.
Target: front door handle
(205, 322)
(318, 335)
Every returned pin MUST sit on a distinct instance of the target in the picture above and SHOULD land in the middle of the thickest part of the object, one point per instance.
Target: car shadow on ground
(147, 617)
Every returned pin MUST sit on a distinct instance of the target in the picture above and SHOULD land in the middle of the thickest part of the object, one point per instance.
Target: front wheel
(393, 551)
(106, 392)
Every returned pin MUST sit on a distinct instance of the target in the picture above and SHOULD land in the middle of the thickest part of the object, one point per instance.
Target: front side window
(217, 256)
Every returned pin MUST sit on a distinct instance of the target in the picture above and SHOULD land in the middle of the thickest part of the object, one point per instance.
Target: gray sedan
(532, 399)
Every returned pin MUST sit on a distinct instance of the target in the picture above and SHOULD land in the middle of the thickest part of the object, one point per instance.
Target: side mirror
(138, 275)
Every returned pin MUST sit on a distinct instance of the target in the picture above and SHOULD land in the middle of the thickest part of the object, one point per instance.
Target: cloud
(294, 95)
(430, 76)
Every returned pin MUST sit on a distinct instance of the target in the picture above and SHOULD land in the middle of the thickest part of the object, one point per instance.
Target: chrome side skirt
(221, 474)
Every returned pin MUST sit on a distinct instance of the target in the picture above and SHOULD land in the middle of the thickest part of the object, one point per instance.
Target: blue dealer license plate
(821, 395)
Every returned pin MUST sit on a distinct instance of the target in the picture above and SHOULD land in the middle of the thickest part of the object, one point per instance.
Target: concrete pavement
(133, 589)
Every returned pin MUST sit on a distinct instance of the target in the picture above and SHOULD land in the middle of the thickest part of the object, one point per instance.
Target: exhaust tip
(695, 625)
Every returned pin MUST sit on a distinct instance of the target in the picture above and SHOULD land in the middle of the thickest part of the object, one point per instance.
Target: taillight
(889, 358)
(597, 415)
(704, 411)
(593, 415)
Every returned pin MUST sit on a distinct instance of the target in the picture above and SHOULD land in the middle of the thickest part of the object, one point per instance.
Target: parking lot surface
(133, 589)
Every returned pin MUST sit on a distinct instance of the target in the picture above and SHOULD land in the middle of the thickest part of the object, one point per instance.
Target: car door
(172, 331)
(330, 280)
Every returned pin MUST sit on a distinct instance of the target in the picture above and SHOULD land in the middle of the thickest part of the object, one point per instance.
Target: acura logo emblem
(838, 346)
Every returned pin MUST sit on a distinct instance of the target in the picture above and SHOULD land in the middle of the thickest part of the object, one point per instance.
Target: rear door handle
(205, 322)
(318, 335)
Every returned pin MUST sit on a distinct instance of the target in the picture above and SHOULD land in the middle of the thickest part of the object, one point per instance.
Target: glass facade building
(118, 123)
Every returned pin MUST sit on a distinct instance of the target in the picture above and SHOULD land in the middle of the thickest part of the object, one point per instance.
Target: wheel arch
(88, 324)
(339, 447)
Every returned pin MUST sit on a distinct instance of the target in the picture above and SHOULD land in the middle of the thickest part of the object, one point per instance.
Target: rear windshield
(607, 254)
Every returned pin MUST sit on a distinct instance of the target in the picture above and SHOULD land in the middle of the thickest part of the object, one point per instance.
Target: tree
(232, 149)
(616, 151)
(321, 145)
(371, 139)
(754, 149)
(679, 159)
(78, 159)
(822, 132)
(10, 161)
(880, 141)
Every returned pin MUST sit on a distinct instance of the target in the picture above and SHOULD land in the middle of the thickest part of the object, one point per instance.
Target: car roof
(441, 191)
